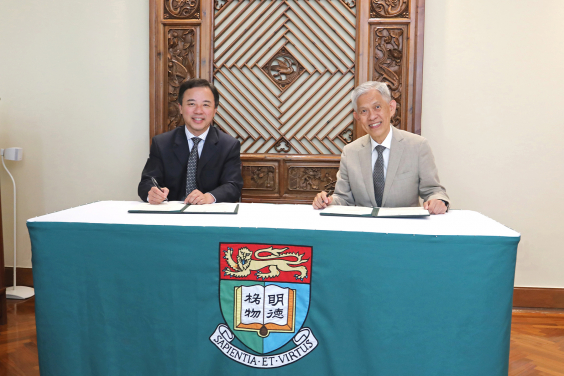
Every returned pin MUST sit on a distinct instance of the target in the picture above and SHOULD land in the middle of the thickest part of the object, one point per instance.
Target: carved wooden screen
(396, 50)
(180, 49)
(285, 70)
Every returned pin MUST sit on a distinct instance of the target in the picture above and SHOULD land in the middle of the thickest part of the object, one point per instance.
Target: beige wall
(74, 95)
(492, 96)
(492, 110)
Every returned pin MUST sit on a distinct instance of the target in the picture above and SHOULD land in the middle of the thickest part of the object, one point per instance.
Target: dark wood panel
(533, 297)
(24, 277)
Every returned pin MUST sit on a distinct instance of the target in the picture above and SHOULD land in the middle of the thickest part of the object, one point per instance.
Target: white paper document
(223, 207)
(347, 210)
(166, 206)
(403, 212)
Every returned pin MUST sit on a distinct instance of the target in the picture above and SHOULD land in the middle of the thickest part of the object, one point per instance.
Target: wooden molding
(533, 297)
(24, 277)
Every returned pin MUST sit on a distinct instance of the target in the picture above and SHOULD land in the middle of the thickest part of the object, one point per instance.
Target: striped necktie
(192, 167)
(378, 175)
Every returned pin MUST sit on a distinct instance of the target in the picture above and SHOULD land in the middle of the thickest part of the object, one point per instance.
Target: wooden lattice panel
(285, 71)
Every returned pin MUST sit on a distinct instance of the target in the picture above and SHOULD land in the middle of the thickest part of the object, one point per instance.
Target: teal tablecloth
(134, 299)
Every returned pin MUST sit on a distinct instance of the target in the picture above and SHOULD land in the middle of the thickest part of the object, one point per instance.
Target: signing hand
(156, 196)
(322, 200)
(435, 206)
(199, 198)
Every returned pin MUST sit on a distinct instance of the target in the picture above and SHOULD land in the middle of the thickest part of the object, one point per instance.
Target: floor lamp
(15, 292)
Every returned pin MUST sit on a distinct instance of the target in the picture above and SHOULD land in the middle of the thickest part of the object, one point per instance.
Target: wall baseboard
(525, 297)
(533, 297)
(24, 277)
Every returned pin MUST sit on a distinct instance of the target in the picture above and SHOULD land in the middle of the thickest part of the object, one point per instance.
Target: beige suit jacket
(411, 173)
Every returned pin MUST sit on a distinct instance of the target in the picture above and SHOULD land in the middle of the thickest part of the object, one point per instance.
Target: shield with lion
(264, 292)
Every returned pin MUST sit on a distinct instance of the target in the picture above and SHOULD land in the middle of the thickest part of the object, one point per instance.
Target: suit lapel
(180, 146)
(210, 148)
(396, 151)
(365, 155)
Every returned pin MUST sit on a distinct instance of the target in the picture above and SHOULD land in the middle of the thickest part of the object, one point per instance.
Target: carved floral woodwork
(181, 67)
(187, 9)
(261, 177)
(389, 8)
(283, 69)
(388, 55)
(314, 179)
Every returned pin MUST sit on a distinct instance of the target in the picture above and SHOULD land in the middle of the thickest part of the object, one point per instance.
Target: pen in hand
(157, 185)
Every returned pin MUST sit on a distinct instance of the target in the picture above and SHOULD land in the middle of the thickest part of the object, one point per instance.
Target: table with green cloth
(272, 290)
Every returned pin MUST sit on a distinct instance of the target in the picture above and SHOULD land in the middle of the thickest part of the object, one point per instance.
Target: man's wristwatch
(446, 203)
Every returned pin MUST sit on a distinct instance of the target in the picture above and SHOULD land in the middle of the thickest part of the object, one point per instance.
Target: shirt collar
(387, 142)
(202, 136)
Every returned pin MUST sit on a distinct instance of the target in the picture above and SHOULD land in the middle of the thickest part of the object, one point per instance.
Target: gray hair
(364, 88)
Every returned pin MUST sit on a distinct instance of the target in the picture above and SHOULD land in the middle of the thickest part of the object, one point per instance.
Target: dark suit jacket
(219, 167)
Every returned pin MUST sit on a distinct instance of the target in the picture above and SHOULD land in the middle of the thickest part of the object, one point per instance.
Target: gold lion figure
(273, 260)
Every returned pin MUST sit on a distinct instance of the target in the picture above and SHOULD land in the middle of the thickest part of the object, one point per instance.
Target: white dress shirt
(386, 154)
(200, 144)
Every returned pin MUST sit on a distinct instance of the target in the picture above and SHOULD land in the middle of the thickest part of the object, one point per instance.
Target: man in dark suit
(195, 163)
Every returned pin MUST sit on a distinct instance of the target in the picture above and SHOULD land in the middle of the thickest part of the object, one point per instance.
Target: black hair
(198, 82)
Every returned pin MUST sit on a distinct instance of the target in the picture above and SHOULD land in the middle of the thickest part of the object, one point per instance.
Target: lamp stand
(16, 292)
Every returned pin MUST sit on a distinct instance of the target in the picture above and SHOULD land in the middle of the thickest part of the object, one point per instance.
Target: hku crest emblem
(264, 295)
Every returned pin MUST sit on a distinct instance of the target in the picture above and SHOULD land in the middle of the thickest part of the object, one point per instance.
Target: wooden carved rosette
(184, 9)
(283, 69)
(389, 8)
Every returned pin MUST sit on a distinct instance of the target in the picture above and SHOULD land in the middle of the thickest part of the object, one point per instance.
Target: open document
(179, 207)
(359, 211)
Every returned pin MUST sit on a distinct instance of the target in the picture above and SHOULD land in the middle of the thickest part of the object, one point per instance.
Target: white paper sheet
(163, 206)
(346, 210)
(223, 207)
(402, 212)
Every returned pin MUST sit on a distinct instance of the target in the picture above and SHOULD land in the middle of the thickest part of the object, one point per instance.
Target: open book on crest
(265, 309)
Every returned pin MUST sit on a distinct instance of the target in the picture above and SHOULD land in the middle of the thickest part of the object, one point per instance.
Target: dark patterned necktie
(378, 175)
(192, 167)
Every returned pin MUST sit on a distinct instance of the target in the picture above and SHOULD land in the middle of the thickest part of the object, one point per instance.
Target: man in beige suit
(387, 167)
